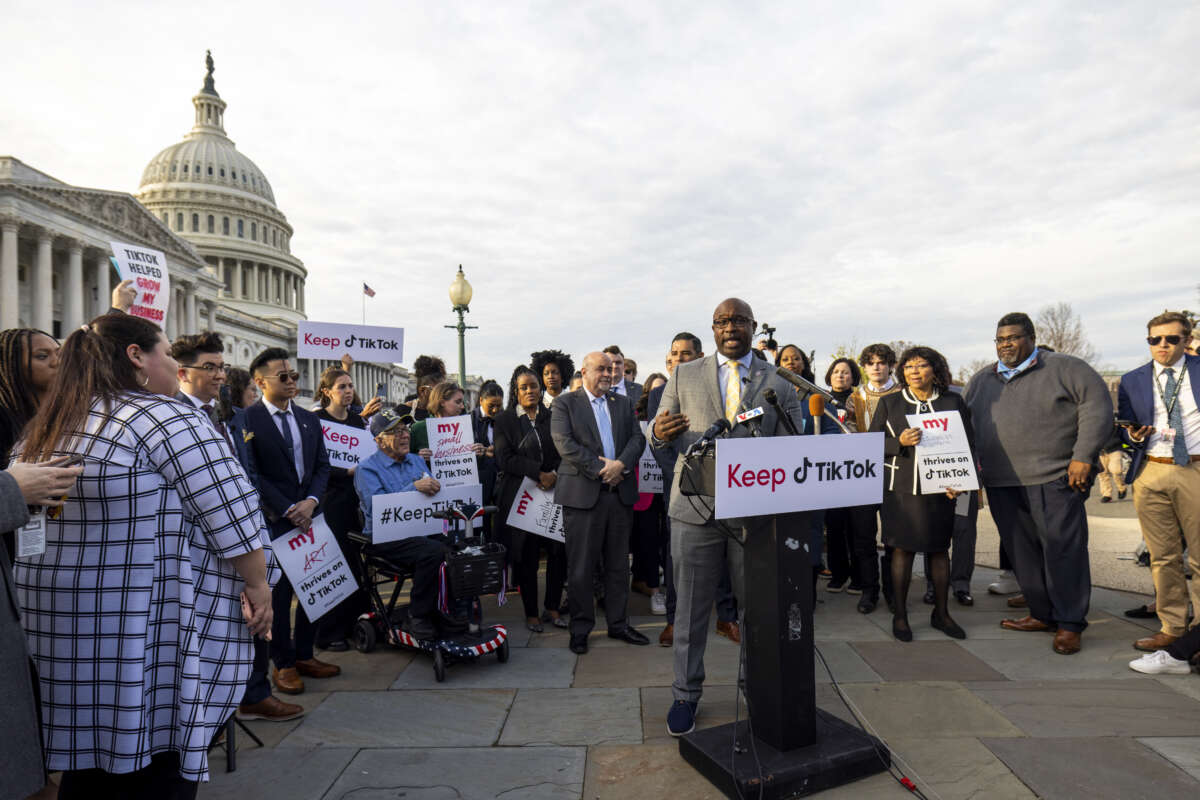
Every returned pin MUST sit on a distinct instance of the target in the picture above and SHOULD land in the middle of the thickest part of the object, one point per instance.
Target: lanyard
(1163, 395)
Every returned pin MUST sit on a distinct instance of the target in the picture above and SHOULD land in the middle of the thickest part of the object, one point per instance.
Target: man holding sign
(393, 468)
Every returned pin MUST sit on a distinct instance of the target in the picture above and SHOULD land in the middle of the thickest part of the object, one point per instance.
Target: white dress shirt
(1187, 407)
(723, 372)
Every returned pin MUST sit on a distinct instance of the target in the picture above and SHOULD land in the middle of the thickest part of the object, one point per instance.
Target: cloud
(607, 172)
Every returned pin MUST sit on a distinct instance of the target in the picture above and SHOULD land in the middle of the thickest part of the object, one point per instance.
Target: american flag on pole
(368, 291)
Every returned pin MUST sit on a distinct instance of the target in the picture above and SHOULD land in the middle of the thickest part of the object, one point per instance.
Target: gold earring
(146, 382)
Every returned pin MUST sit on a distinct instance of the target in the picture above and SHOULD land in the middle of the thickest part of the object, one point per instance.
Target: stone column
(10, 310)
(43, 283)
(300, 295)
(103, 284)
(285, 293)
(210, 313)
(73, 287)
(237, 279)
(260, 289)
(193, 319)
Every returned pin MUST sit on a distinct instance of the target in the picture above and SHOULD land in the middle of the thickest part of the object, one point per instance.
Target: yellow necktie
(733, 390)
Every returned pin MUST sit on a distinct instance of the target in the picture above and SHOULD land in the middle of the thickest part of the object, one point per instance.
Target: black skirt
(921, 523)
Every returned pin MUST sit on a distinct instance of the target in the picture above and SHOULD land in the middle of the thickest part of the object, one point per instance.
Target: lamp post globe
(460, 297)
(460, 290)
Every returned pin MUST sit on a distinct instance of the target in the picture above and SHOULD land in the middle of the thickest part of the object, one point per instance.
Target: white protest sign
(332, 340)
(347, 446)
(649, 473)
(535, 511)
(778, 474)
(943, 455)
(451, 439)
(148, 270)
(403, 515)
(316, 567)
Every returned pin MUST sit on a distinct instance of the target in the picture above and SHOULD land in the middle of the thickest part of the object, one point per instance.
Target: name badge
(31, 537)
(1168, 436)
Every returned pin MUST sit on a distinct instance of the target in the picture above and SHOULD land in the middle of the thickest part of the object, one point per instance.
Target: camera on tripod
(769, 332)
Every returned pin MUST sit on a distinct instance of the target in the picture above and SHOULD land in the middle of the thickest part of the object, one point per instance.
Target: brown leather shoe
(287, 680)
(1017, 601)
(730, 631)
(1066, 642)
(1025, 624)
(1158, 641)
(667, 637)
(272, 709)
(312, 668)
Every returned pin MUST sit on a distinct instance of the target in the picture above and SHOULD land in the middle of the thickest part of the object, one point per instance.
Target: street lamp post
(460, 297)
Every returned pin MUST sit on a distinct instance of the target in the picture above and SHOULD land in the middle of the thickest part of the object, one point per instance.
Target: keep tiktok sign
(778, 474)
(148, 270)
(332, 340)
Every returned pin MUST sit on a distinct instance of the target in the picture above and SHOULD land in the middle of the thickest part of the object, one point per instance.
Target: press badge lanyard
(1162, 395)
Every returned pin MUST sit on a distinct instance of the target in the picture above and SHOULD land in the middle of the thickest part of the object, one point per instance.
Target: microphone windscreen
(816, 405)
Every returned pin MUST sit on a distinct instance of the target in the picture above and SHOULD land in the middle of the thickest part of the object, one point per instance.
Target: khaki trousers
(1167, 499)
(1112, 467)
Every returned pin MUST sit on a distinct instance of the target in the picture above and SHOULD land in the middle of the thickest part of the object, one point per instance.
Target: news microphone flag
(368, 291)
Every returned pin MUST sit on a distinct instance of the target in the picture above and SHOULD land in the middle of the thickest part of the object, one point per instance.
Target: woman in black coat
(914, 522)
(524, 449)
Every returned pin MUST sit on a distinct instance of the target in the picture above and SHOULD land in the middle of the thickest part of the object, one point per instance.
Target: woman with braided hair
(28, 361)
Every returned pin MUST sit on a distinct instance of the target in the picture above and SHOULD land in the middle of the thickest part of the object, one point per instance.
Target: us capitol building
(208, 208)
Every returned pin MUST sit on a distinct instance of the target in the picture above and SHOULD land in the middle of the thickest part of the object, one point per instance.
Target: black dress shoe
(928, 598)
(578, 643)
(337, 646)
(964, 598)
(947, 626)
(630, 635)
(901, 631)
(868, 602)
(1141, 612)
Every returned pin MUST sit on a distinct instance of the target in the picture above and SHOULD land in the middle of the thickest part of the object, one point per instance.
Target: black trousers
(286, 651)
(864, 530)
(158, 781)
(601, 531)
(527, 563)
(840, 545)
(258, 688)
(423, 556)
(650, 542)
(1187, 645)
(1044, 528)
(338, 622)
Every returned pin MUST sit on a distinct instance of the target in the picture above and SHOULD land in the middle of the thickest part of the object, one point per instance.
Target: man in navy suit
(293, 468)
(1162, 400)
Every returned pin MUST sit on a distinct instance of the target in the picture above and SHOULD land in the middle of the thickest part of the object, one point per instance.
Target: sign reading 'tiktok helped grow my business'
(148, 270)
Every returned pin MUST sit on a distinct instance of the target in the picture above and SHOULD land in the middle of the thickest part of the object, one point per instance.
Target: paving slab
(1098, 769)
(294, 774)
(574, 717)
(650, 626)
(527, 668)
(1182, 751)
(621, 772)
(1030, 656)
(629, 665)
(1184, 684)
(846, 624)
(956, 768)
(1084, 708)
(924, 661)
(459, 718)
(845, 662)
(365, 672)
(935, 709)
(272, 733)
(471, 773)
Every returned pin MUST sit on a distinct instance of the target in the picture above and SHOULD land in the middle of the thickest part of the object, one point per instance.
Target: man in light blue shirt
(395, 469)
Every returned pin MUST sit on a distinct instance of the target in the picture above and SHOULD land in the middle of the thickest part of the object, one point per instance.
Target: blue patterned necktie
(287, 433)
(605, 425)
(1175, 421)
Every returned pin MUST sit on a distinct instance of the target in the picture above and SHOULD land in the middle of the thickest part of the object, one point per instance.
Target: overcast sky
(607, 172)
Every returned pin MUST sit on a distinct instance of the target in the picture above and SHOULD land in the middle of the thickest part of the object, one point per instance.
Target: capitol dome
(214, 196)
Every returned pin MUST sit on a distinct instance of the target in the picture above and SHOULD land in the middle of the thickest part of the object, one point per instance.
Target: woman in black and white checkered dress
(132, 613)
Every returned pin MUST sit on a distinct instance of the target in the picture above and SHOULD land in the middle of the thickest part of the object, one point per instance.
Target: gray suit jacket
(573, 428)
(693, 390)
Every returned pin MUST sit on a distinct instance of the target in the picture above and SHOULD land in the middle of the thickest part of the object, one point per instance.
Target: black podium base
(842, 753)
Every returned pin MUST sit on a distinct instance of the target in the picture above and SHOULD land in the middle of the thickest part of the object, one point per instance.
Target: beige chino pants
(1167, 499)
(1112, 469)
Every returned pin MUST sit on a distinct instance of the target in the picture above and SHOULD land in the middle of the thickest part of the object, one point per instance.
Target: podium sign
(781, 474)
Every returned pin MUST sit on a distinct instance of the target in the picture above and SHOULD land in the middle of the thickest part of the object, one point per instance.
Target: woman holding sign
(445, 400)
(917, 514)
(524, 449)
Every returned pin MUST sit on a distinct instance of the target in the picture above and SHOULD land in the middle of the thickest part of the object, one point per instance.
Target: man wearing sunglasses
(1162, 401)
(293, 468)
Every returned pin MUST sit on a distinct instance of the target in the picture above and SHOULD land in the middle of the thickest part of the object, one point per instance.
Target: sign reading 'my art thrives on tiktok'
(148, 270)
(332, 340)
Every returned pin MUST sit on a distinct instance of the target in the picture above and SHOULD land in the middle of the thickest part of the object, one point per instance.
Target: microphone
(714, 430)
(773, 400)
(816, 407)
(802, 384)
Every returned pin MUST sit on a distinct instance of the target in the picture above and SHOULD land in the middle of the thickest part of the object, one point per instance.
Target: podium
(800, 748)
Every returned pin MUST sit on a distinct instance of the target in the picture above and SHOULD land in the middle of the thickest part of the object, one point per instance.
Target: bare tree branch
(1061, 328)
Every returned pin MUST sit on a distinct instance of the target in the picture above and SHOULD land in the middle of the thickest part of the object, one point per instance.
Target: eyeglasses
(733, 322)
(209, 368)
(1173, 339)
(1009, 339)
(287, 377)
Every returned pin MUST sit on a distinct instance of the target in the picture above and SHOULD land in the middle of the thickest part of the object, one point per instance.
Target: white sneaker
(1160, 662)
(1005, 584)
(658, 604)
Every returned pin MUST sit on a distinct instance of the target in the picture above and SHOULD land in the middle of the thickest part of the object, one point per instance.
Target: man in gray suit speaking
(600, 442)
(700, 392)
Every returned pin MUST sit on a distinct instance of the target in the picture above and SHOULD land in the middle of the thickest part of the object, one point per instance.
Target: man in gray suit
(600, 442)
(712, 388)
